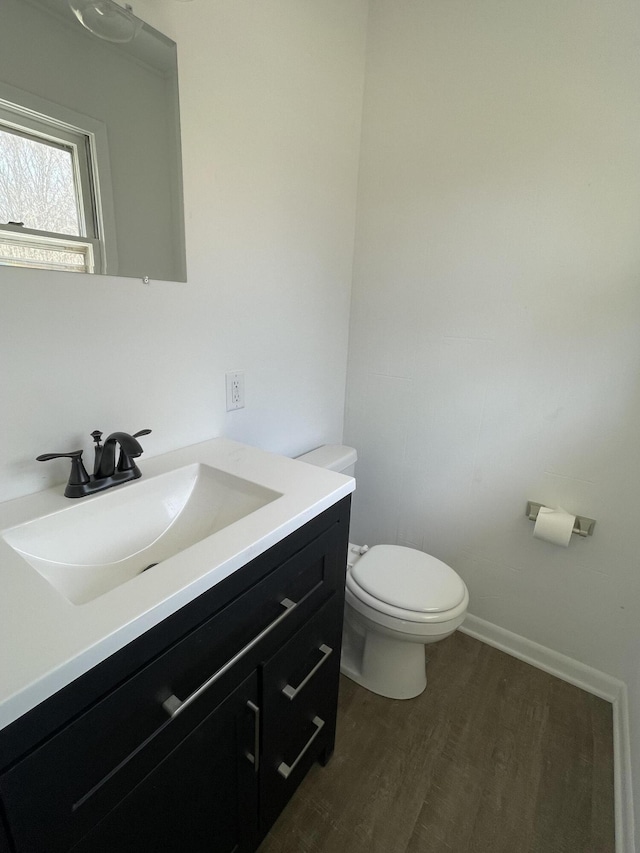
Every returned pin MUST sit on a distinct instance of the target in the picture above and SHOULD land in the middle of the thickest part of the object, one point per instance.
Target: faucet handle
(78, 474)
(142, 432)
(45, 457)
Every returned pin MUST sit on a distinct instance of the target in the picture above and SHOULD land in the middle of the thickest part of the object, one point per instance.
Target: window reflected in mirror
(48, 207)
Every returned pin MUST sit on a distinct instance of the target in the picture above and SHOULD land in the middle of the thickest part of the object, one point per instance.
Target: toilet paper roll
(554, 525)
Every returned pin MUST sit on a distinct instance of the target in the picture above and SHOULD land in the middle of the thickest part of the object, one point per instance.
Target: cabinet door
(201, 797)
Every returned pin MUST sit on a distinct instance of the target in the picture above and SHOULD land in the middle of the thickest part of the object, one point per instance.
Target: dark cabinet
(195, 736)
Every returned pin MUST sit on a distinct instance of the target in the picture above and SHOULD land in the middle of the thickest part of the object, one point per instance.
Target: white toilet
(397, 600)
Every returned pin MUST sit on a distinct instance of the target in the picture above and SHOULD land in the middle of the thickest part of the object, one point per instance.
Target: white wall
(271, 98)
(495, 345)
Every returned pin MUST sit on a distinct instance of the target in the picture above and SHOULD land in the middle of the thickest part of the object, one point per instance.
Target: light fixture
(107, 20)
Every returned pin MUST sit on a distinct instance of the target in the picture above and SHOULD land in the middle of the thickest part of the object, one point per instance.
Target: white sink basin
(91, 547)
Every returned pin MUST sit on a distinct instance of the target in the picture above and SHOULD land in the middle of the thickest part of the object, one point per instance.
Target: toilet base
(385, 666)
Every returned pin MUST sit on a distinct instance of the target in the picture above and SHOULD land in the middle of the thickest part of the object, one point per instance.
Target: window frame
(46, 240)
(34, 117)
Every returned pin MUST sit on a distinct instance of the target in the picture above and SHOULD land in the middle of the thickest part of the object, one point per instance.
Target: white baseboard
(591, 680)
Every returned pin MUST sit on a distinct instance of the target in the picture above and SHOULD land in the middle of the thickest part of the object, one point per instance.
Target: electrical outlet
(235, 390)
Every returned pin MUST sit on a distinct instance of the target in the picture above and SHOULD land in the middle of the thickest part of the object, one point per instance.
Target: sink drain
(150, 566)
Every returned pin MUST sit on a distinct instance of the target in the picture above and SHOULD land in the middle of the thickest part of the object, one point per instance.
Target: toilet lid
(409, 579)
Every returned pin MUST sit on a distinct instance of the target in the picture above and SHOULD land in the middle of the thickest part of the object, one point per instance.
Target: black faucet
(105, 471)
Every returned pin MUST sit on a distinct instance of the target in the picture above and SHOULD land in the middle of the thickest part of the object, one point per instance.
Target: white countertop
(47, 641)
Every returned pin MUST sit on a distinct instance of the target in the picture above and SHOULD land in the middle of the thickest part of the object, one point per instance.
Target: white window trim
(20, 102)
(44, 240)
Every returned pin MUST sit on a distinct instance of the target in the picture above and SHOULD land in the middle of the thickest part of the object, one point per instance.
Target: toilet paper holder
(583, 526)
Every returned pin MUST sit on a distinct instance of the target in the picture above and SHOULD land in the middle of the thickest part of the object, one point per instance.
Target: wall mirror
(90, 157)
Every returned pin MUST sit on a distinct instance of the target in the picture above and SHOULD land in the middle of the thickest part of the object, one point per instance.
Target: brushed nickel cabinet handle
(174, 706)
(255, 758)
(291, 692)
(285, 770)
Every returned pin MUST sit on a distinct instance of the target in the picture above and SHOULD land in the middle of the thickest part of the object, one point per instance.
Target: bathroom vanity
(194, 733)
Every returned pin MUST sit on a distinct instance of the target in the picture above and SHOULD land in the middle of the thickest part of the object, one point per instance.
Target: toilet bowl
(397, 600)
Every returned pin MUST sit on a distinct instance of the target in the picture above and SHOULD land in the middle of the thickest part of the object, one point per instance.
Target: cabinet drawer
(300, 690)
(89, 766)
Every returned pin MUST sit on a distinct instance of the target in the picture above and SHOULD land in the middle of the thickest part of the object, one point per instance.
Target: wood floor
(496, 756)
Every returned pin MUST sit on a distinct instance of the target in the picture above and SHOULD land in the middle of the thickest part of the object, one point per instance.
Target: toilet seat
(407, 584)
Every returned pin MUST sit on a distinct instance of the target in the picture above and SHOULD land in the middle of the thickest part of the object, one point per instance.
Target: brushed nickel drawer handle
(285, 770)
(174, 706)
(291, 692)
(255, 758)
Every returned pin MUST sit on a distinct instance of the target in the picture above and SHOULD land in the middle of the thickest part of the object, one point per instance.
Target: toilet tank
(335, 457)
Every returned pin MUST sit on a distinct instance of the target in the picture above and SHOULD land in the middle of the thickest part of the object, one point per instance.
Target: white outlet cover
(235, 390)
